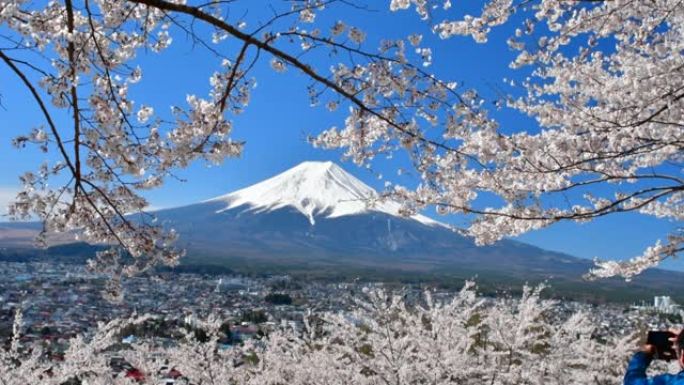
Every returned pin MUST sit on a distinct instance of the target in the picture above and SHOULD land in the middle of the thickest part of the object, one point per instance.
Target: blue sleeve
(636, 372)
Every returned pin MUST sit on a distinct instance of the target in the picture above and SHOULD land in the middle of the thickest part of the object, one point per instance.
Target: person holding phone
(659, 345)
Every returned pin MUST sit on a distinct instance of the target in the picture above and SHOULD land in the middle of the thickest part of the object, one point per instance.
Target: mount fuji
(313, 220)
(314, 189)
(316, 214)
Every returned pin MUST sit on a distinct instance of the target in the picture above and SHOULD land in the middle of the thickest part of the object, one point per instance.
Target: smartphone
(662, 344)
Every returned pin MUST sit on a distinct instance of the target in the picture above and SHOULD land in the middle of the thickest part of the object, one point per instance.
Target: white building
(665, 304)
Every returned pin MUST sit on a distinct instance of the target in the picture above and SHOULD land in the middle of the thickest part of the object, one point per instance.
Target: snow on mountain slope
(314, 189)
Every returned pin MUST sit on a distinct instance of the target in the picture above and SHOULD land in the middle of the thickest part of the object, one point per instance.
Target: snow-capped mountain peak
(314, 189)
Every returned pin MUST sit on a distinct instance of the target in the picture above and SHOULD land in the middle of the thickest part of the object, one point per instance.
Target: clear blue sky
(279, 118)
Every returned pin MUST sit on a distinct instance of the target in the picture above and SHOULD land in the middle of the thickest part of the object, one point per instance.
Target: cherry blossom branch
(306, 69)
(48, 118)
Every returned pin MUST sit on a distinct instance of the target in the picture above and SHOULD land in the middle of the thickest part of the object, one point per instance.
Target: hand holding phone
(663, 345)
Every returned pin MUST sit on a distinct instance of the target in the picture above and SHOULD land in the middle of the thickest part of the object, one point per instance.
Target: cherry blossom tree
(386, 339)
(605, 87)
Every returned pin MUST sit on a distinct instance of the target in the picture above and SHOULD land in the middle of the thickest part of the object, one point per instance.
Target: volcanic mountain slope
(318, 213)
